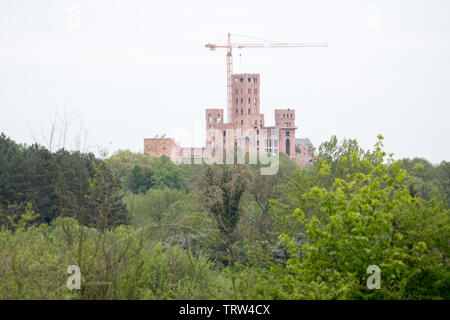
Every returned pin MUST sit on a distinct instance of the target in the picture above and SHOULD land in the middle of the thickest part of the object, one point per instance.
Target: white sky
(126, 67)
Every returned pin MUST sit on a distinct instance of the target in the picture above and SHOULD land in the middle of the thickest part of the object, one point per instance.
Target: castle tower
(246, 102)
(213, 117)
(285, 122)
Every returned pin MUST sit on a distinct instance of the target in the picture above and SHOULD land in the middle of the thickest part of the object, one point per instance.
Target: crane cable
(253, 38)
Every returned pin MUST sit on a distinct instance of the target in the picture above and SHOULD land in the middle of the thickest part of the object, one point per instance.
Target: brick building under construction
(246, 127)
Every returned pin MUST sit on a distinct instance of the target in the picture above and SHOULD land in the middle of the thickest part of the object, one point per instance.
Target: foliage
(147, 228)
(139, 173)
(428, 180)
(114, 264)
(367, 219)
(58, 183)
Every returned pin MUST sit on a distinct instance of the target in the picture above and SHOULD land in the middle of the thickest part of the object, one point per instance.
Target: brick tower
(285, 122)
(246, 103)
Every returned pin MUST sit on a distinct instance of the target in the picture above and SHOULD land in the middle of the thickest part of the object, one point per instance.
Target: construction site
(245, 126)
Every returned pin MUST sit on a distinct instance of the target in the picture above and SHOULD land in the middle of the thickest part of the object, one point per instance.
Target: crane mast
(229, 46)
(229, 72)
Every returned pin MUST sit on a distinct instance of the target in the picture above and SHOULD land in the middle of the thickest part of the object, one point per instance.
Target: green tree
(368, 219)
(225, 188)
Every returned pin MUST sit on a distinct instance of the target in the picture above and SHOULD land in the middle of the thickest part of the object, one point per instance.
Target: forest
(147, 228)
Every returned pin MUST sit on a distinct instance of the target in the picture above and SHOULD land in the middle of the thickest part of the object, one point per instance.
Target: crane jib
(269, 44)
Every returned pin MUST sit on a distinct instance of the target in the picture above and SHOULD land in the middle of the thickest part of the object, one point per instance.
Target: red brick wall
(156, 147)
(245, 90)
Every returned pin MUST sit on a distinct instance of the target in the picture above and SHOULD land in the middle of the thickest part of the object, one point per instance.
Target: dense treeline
(144, 228)
(56, 184)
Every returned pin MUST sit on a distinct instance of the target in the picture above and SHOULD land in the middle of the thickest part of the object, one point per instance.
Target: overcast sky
(127, 70)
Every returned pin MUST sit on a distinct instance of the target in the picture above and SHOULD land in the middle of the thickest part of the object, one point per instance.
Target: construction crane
(229, 46)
